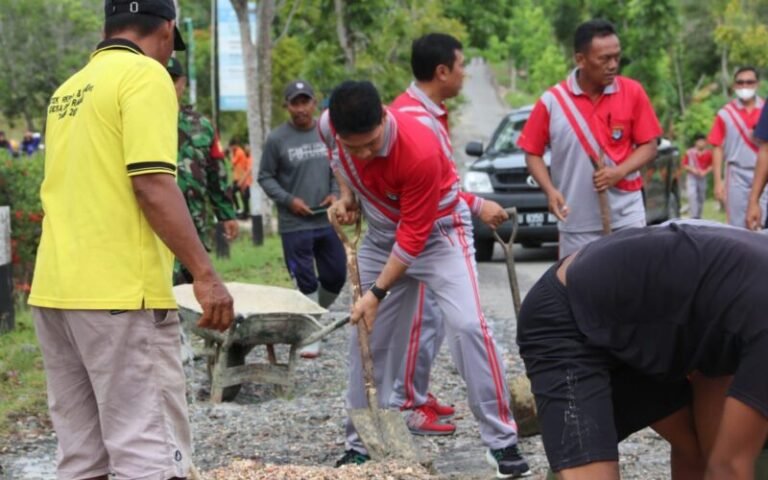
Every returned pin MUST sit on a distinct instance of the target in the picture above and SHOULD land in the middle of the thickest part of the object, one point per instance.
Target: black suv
(500, 174)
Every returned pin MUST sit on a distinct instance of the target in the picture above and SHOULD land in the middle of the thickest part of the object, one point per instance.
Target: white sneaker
(310, 351)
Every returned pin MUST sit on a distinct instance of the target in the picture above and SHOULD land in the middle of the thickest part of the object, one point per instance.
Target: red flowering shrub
(20, 180)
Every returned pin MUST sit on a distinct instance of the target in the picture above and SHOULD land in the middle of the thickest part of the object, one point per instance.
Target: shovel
(383, 431)
(523, 404)
(602, 197)
(510, 257)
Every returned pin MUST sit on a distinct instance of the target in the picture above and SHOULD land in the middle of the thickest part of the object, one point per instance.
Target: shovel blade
(384, 434)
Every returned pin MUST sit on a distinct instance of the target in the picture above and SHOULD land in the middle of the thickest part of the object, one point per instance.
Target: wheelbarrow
(264, 315)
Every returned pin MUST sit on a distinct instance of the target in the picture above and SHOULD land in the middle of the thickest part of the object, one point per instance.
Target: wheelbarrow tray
(264, 315)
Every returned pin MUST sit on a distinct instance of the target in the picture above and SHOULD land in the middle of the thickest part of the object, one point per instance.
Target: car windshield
(505, 139)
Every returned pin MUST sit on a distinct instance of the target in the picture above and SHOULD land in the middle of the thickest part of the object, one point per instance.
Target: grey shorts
(116, 392)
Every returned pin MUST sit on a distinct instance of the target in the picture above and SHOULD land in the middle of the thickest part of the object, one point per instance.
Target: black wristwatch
(379, 293)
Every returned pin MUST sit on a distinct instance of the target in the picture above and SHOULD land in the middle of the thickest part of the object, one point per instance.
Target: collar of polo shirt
(574, 87)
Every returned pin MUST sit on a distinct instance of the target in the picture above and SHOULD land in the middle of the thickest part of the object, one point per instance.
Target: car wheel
(484, 249)
(673, 206)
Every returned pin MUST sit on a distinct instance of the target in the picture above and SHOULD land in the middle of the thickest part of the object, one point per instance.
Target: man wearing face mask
(732, 137)
(294, 172)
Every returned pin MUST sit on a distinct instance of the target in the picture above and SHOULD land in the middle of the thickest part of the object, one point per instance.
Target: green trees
(42, 42)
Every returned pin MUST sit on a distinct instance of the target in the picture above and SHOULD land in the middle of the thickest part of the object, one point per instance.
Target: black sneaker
(352, 457)
(508, 462)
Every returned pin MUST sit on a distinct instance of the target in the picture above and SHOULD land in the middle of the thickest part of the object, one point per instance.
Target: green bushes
(20, 180)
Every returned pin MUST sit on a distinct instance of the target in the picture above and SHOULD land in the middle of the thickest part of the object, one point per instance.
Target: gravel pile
(250, 470)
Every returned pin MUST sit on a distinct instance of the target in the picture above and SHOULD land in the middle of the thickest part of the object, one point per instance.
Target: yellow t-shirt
(115, 118)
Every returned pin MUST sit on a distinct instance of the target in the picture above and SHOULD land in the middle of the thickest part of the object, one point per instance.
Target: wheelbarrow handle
(320, 334)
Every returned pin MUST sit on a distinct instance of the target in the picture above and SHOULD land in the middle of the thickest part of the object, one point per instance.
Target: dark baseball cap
(298, 87)
(157, 8)
(175, 68)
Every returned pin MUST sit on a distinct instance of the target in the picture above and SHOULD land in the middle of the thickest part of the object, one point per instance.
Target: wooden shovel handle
(363, 340)
(602, 198)
(510, 258)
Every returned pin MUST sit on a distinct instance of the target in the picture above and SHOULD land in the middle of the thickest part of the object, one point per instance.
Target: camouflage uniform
(203, 179)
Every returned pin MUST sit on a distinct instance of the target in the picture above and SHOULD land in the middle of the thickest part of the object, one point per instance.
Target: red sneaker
(424, 421)
(440, 409)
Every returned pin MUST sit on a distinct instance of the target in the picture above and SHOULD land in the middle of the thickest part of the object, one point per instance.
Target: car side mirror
(474, 149)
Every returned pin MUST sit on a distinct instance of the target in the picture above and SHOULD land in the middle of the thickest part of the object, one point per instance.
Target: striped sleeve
(149, 116)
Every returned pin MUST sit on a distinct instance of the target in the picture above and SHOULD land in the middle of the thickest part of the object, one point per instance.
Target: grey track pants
(447, 268)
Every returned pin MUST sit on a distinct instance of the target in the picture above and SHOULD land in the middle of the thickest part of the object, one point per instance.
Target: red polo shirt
(622, 118)
(411, 181)
(703, 159)
(416, 103)
(716, 136)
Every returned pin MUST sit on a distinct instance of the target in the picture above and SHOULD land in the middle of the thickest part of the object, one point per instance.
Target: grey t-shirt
(295, 163)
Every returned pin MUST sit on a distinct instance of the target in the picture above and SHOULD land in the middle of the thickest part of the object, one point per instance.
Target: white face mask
(745, 93)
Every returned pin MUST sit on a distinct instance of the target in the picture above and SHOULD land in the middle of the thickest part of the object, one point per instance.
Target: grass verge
(248, 263)
(22, 379)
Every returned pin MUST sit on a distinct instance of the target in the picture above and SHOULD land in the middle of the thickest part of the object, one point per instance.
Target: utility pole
(7, 320)
(191, 70)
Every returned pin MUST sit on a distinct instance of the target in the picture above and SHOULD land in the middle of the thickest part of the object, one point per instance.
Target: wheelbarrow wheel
(235, 357)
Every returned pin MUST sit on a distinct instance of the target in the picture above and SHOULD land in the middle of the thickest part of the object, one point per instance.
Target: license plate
(537, 219)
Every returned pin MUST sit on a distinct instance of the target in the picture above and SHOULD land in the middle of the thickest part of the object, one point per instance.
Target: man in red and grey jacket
(437, 63)
(419, 232)
(697, 163)
(594, 114)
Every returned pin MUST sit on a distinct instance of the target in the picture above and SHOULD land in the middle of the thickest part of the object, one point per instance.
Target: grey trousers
(738, 185)
(447, 268)
(426, 335)
(696, 188)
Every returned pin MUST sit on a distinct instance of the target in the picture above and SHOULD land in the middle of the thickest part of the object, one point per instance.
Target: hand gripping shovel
(602, 197)
(383, 431)
(510, 257)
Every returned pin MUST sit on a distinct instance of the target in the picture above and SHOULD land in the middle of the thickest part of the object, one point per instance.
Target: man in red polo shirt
(697, 163)
(732, 137)
(437, 63)
(419, 232)
(594, 114)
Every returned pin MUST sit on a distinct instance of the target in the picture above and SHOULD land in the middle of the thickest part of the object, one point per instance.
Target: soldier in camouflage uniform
(202, 174)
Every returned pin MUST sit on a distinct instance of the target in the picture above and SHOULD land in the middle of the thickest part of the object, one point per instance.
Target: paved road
(477, 119)
(481, 112)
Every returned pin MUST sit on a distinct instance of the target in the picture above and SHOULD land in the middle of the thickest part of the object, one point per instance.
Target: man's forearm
(393, 270)
(166, 211)
(717, 164)
(642, 155)
(538, 169)
(761, 174)
(273, 189)
(344, 191)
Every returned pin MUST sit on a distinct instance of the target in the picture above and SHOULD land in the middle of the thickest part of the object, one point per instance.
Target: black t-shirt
(670, 300)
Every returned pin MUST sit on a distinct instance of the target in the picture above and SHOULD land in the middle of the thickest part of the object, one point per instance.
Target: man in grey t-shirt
(295, 173)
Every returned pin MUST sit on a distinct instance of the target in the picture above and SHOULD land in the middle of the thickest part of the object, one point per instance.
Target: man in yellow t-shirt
(101, 295)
